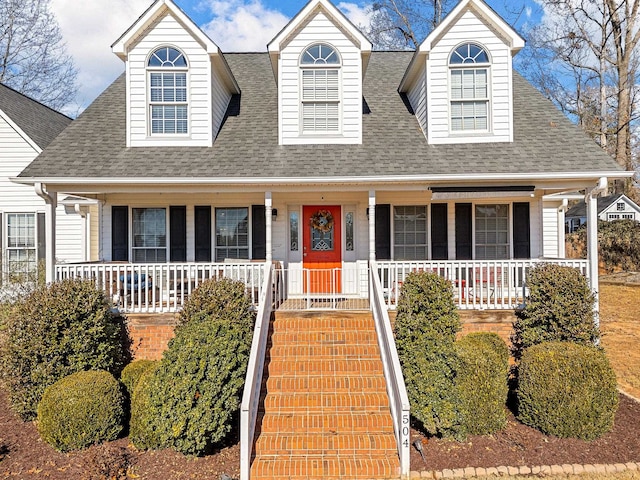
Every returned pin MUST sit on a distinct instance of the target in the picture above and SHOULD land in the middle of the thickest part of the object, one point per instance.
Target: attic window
(320, 89)
(168, 105)
(469, 88)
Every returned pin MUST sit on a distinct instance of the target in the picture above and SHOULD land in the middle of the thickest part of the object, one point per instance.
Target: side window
(320, 89)
(469, 89)
(167, 77)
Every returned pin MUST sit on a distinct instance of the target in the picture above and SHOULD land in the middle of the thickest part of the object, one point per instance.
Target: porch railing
(324, 289)
(396, 388)
(477, 285)
(253, 382)
(161, 287)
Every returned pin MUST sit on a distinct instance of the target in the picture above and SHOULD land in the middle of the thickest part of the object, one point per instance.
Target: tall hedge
(482, 382)
(425, 329)
(567, 390)
(194, 394)
(559, 308)
(57, 330)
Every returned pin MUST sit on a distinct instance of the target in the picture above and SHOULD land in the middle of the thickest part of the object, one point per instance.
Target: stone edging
(574, 469)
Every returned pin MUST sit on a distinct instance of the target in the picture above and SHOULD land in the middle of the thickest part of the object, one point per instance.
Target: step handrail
(396, 388)
(255, 368)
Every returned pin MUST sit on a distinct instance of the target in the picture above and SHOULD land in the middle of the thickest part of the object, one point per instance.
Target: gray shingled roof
(39, 122)
(247, 145)
(580, 209)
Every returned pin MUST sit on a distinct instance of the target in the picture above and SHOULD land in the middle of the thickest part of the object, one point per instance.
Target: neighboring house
(612, 207)
(324, 156)
(26, 128)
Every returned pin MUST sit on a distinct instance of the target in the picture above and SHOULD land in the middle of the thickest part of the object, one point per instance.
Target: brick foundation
(150, 334)
(495, 321)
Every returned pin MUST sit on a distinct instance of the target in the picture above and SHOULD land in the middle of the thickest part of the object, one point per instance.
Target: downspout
(562, 209)
(83, 240)
(591, 198)
(51, 202)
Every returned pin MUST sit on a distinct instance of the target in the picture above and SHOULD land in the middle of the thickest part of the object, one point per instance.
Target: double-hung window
(469, 89)
(21, 245)
(232, 233)
(492, 232)
(320, 93)
(168, 107)
(410, 232)
(149, 235)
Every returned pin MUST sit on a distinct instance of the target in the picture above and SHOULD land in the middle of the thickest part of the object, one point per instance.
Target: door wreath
(322, 220)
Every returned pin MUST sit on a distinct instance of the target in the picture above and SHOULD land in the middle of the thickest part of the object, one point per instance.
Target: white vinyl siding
(469, 28)
(550, 234)
(417, 96)
(167, 31)
(220, 98)
(15, 154)
(320, 29)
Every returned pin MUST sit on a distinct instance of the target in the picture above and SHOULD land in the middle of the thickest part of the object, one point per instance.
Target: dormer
(459, 82)
(319, 60)
(178, 82)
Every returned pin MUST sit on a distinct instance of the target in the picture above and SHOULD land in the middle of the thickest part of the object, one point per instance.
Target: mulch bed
(519, 445)
(23, 455)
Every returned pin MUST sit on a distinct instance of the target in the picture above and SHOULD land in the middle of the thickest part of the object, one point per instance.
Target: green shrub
(425, 329)
(142, 431)
(567, 390)
(131, 373)
(55, 331)
(222, 298)
(80, 410)
(559, 308)
(194, 394)
(482, 382)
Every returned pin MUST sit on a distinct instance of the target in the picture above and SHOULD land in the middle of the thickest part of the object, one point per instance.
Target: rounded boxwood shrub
(482, 382)
(81, 410)
(425, 329)
(131, 373)
(57, 330)
(559, 308)
(194, 394)
(567, 390)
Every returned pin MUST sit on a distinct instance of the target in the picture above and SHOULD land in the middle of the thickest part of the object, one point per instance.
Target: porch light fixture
(274, 214)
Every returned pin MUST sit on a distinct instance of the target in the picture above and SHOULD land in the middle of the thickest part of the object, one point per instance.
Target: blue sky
(89, 27)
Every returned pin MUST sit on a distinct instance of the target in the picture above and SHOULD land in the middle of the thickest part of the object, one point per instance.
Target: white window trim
(150, 103)
(470, 66)
(167, 230)
(4, 231)
(301, 101)
(214, 238)
(509, 229)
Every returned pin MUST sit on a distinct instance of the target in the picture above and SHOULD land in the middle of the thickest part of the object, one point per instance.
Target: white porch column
(268, 211)
(372, 225)
(562, 253)
(51, 203)
(592, 251)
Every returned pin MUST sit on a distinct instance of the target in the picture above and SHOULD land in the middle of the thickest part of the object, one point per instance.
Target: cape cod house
(610, 208)
(26, 128)
(320, 173)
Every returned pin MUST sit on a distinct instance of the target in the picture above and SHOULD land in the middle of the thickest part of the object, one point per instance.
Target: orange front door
(322, 253)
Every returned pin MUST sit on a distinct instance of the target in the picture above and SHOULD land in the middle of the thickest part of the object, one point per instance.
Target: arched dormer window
(168, 107)
(320, 94)
(469, 88)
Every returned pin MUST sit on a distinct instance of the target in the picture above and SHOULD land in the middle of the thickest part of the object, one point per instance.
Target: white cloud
(240, 26)
(89, 28)
(360, 16)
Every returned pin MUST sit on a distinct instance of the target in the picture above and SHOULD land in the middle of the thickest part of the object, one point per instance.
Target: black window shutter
(463, 231)
(202, 220)
(178, 233)
(383, 232)
(439, 236)
(258, 232)
(521, 230)
(120, 233)
(42, 237)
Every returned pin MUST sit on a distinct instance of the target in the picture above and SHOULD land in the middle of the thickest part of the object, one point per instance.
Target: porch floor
(297, 304)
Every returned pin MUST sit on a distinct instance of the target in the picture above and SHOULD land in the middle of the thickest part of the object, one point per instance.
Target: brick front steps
(324, 409)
